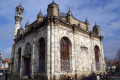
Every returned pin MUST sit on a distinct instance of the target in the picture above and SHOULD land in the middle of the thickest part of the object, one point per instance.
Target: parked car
(1, 74)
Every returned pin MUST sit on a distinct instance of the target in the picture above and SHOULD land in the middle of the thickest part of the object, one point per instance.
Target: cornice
(56, 20)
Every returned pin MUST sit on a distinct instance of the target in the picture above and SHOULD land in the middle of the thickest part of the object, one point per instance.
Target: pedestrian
(6, 75)
(98, 77)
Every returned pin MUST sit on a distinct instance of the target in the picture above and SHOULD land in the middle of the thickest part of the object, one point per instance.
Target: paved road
(115, 77)
(3, 78)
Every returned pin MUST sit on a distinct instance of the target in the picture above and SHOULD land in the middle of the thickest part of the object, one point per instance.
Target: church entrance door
(27, 66)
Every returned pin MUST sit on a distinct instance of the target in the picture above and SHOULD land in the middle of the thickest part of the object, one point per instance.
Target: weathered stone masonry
(85, 53)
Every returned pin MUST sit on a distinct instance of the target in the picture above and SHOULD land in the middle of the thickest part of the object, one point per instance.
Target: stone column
(52, 42)
(56, 52)
(15, 62)
(100, 60)
(75, 57)
(102, 57)
(13, 58)
(33, 57)
(48, 51)
(92, 53)
(22, 61)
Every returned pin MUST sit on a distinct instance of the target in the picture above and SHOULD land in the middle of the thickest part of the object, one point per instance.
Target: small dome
(20, 7)
(69, 13)
(86, 21)
(52, 4)
(20, 31)
(40, 15)
(96, 25)
(27, 24)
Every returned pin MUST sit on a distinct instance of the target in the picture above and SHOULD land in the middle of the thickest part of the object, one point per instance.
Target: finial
(69, 8)
(86, 21)
(27, 21)
(53, 0)
(27, 24)
(39, 14)
(69, 12)
(95, 22)
(40, 10)
(20, 3)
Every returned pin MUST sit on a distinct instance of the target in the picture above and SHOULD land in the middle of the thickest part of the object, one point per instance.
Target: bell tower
(18, 18)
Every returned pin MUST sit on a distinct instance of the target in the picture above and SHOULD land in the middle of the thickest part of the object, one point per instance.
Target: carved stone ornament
(27, 56)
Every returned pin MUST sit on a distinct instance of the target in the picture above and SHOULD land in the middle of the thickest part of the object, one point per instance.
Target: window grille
(65, 55)
(42, 55)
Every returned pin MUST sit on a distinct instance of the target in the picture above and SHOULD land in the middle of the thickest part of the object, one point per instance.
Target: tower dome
(53, 9)
(96, 29)
(87, 25)
(96, 25)
(69, 13)
(20, 6)
(18, 14)
(87, 22)
(40, 15)
(27, 24)
(52, 4)
(69, 16)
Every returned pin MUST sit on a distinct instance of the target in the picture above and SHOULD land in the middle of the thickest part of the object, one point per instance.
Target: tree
(118, 54)
(118, 61)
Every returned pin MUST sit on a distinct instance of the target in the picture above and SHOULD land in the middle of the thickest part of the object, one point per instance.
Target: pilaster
(22, 61)
(52, 52)
(33, 57)
(48, 50)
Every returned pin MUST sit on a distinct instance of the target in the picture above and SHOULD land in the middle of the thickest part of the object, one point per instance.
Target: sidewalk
(3, 78)
(114, 77)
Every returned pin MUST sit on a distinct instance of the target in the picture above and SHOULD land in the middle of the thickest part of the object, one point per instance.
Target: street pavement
(115, 77)
(3, 78)
(111, 78)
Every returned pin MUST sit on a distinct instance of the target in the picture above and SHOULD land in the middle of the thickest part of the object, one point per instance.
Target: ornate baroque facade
(56, 44)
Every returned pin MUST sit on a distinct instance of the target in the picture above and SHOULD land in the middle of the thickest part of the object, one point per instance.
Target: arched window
(19, 59)
(97, 51)
(28, 49)
(65, 54)
(27, 59)
(42, 55)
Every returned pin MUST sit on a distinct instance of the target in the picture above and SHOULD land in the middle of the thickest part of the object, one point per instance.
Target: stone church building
(54, 45)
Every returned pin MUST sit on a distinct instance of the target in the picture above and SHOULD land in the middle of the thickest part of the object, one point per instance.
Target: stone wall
(82, 60)
(82, 55)
(33, 40)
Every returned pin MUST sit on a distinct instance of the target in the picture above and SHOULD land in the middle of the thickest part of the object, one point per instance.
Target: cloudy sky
(106, 13)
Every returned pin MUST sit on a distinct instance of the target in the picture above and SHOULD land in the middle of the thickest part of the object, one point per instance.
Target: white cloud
(116, 25)
(110, 48)
(7, 52)
(6, 31)
(112, 5)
